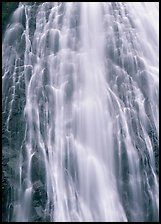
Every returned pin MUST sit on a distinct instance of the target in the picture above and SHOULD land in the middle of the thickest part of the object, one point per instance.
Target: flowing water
(80, 112)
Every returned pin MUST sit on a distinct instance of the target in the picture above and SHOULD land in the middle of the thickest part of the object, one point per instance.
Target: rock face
(41, 78)
(7, 10)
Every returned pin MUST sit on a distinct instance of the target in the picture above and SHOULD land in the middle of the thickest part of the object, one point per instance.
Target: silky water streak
(80, 112)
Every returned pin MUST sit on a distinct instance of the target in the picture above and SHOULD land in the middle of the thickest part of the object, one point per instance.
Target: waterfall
(80, 112)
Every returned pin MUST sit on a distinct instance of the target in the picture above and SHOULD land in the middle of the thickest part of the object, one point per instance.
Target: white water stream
(91, 102)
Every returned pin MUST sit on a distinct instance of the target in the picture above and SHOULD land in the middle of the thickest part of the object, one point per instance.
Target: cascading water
(80, 112)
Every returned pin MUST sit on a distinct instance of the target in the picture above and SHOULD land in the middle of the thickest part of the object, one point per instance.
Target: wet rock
(38, 169)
